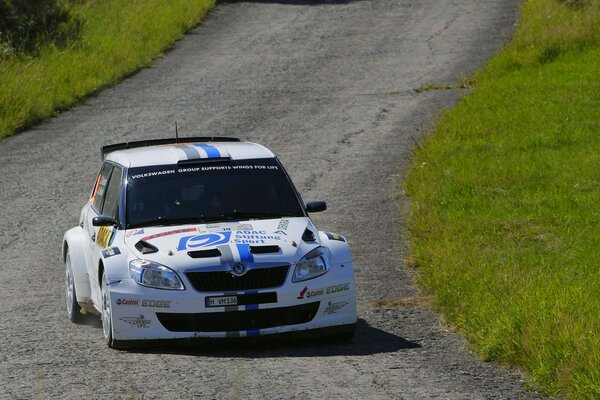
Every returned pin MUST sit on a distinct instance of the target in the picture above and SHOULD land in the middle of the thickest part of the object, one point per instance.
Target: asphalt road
(328, 85)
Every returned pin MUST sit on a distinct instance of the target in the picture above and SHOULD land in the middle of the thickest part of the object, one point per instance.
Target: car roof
(165, 154)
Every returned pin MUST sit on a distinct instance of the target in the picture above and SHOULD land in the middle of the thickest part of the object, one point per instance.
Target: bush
(26, 25)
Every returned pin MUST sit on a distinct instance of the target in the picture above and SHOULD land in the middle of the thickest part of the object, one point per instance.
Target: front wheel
(107, 315)
(73, 307)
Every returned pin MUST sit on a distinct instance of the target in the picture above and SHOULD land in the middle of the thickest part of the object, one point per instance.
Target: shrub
(26, 25)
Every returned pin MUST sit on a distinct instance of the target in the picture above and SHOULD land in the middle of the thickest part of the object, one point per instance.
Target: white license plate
(221, 301)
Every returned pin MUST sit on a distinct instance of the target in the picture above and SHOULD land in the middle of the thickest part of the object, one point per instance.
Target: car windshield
(209, 192)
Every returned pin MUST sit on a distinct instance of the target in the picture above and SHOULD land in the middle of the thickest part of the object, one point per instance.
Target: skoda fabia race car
(204, 238)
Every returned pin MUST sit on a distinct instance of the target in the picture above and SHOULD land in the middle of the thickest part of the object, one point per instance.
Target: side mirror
(316, 206)
(103, 220)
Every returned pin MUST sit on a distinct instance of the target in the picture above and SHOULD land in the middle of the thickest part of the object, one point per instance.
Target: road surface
(327, 85)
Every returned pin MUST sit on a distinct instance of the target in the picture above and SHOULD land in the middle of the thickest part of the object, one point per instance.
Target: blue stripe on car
(245, 255)
(211, 151)
(251, 306)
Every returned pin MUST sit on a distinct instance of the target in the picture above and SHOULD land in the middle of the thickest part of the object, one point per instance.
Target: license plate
(221, 301)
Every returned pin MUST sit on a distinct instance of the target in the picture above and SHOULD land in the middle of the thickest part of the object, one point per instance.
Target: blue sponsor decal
(211, 151)
(112, 251)
(253, 332)
(204, 240)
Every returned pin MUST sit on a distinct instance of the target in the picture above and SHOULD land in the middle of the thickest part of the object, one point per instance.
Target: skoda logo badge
(238, 269)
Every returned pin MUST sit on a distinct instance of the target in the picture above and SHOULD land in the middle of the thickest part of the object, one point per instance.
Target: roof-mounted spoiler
(155, 142)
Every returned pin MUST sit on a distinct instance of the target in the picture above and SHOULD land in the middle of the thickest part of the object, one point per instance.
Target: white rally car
(204, 238)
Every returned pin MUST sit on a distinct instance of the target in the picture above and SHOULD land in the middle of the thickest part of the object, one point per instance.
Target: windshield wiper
(239, 214)
(201, 219)
(166, 221)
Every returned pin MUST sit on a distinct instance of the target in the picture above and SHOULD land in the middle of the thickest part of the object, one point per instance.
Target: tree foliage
(26, 25)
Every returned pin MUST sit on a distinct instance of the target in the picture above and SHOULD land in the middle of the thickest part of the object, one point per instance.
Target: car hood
(207, 245)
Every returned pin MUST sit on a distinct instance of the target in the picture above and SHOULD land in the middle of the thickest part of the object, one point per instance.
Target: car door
(93, 210)
(105, 203)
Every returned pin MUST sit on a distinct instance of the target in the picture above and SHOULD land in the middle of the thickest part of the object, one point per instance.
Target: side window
(99, 192)
(113, 190)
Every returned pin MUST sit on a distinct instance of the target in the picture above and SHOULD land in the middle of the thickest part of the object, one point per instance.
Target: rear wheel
(73, 308)
(107, 315)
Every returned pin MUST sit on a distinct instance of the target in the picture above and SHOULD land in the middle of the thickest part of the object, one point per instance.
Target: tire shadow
(367, 340)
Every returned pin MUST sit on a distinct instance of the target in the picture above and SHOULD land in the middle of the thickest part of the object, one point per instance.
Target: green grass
(117, 38)
(505, 203)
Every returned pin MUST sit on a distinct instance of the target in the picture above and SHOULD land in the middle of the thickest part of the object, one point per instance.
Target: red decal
(303, 292)
(169, 233)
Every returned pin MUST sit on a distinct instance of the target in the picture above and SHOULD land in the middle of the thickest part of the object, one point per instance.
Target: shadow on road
(367, 340)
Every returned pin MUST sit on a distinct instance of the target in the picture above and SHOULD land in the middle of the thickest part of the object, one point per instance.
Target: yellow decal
(104, 236)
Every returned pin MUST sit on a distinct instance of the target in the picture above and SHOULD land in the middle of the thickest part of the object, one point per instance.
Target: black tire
(106, 316)
(73, 307)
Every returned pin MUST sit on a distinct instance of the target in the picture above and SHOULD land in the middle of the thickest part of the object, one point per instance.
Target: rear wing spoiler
(155, 142)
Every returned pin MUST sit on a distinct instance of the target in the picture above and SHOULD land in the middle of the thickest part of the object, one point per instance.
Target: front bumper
(141, 313)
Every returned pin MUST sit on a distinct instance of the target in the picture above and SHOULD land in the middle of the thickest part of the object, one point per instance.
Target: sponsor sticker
(157, 235)
(225, 227)
(112, 251)
(137, 322)
(134, 232)
(253, 237)
(335, 236)
(224, 237)
(104, 236)
(127, 302)
(282, 226)
(333, 308)
(302, 293)
(307, 293)
(152, 174)
(225, 168)
(204, 240)
(156, 303)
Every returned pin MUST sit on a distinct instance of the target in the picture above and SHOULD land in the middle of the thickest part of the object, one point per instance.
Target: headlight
(314, 264)
(149, 273)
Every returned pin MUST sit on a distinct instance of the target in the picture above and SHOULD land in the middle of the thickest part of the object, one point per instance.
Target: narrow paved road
(328, 85)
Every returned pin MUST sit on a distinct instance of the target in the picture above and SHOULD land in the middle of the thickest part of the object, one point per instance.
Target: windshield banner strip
(211, 151)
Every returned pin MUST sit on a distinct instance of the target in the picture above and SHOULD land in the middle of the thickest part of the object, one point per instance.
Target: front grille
(238, 320)
(221, 281)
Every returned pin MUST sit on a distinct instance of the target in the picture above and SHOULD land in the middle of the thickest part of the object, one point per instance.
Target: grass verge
(505, 202)
(116, 39)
